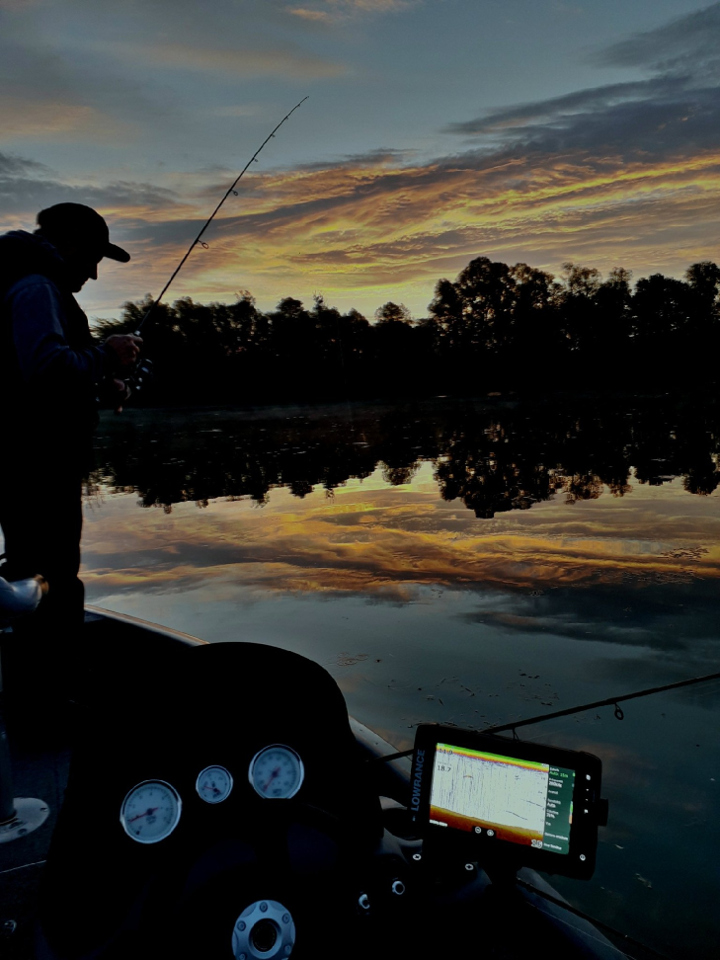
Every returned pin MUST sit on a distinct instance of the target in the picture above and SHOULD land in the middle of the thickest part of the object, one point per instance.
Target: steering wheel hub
(264, 931)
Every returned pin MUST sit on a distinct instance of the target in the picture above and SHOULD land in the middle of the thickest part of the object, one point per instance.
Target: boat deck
(42, 774)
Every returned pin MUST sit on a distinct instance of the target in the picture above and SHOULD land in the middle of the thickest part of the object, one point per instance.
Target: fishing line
(608, 702)
(198, 238)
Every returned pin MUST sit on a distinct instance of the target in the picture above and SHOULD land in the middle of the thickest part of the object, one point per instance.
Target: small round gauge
(151, 811)
(214, 784)
(276, 772)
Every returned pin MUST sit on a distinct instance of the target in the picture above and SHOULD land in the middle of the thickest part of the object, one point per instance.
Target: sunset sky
(435, 131)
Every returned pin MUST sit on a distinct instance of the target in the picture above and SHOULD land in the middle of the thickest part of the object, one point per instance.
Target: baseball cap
(76, 223)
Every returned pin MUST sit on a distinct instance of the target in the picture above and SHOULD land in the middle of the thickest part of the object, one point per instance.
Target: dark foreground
(346, 843)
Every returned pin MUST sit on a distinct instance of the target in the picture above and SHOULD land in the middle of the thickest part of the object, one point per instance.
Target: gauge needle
(274, 774)
(149, 810)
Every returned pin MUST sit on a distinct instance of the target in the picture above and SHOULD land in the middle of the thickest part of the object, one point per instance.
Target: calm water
(467, 564)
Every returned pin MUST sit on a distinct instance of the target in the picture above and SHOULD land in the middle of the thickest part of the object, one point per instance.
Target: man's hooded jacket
(50, 366)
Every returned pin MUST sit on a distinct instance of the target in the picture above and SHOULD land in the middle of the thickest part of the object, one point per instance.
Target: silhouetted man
(51, 371)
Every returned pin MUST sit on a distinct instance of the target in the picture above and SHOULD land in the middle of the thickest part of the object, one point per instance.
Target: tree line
(494, 328)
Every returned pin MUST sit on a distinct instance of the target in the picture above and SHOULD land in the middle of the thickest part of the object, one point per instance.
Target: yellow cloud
(371, 229)
(318, 16)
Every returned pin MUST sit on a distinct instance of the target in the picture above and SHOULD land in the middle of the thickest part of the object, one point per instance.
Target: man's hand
(123, 393)
(125, 347)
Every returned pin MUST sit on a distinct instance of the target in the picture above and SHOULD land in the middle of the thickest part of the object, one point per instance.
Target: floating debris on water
(348, 659)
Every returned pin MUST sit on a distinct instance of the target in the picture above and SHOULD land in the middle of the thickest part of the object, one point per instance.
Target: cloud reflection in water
(621, 570)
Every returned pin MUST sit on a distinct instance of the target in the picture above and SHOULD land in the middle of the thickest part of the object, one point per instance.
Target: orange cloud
(333, 10)
(57, 119)
(365, 230)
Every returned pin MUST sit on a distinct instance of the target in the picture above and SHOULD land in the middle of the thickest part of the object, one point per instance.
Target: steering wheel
(313, 853)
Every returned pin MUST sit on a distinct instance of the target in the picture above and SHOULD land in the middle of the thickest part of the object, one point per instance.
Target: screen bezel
(579, 862)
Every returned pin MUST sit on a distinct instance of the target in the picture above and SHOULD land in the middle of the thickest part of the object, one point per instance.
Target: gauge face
(214, 784)
(276, 772)
(151, 811)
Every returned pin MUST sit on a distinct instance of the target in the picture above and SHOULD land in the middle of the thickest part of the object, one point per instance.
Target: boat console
(220, 806)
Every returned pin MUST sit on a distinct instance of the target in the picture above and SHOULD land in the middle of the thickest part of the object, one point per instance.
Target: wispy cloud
(625, 173)
(685, 45)
(332, 11)
(314, 16)
(359, 225)
(48, 92)
(112, 76)
(15, 166)
(29, 119)
(351, 226)
(26, 186)
(675, 111)
(235, 61)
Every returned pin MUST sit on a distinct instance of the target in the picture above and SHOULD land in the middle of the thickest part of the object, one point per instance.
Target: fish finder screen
(521, 801)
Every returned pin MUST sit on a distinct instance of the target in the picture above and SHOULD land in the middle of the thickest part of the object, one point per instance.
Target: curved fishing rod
(607, 702)
(210, 219)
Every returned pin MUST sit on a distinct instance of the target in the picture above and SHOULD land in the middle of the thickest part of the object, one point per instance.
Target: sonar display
(517, 800)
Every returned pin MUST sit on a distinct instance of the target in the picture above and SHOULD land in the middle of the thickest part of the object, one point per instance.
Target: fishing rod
(540, 718)
(144, 368)
(198, 238)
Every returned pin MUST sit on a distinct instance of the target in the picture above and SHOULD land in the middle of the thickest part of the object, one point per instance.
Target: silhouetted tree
(393, 313)
(493, 328)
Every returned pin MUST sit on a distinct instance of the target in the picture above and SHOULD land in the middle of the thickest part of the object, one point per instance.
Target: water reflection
(469, 564)
(351, 508)
(493, 459)
(462, 563)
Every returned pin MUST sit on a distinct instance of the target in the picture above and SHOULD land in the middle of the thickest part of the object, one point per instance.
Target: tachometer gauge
(276, 772)
(151, 811)
(214, 784)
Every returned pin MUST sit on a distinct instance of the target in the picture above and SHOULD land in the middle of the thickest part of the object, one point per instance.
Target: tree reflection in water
(494, 457)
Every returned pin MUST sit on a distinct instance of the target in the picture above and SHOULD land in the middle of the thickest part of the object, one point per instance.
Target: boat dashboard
(221, 805)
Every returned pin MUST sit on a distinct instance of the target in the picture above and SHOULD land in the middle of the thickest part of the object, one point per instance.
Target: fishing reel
(140, 379)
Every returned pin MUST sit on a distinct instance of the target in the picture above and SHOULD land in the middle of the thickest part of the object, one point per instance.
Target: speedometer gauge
(276, 772)
(214, 784)
(150, 811)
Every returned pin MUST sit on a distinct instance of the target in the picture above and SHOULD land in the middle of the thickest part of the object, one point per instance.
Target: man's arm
(40, 339)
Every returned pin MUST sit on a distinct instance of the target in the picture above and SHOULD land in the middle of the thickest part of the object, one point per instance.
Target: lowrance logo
(417, 781)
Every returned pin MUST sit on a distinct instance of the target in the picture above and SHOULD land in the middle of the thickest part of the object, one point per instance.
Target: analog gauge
(276, 772)
(214, 784)
(151, 811)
